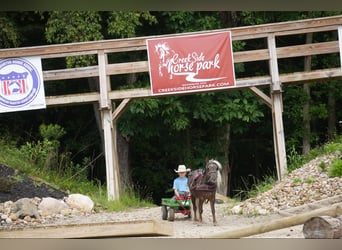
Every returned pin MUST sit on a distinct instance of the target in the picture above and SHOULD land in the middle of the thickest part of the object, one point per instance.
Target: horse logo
(19, 82)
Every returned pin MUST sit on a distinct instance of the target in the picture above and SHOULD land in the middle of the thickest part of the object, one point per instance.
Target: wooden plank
(288, 52)
(120, 45)
(340, 42)
(94, 230)
(262, 95)
(308, 49)
(112, 173)
(121, 108)
(72, 73)
(285, 28)
(277, 112)
(244, 56)
(126, 68)
(297, 77)
(72, 99)
(291, 78)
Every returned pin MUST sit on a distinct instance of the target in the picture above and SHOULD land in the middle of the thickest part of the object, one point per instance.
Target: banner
(191, 63)
(21, 84)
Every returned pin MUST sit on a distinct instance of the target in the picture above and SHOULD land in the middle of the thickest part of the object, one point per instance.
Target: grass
(11, 155)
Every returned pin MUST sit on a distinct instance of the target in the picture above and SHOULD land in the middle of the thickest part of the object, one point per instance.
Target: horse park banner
(21, 84)
(191, 63)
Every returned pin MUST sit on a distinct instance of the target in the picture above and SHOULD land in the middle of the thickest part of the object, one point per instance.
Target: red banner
(191, 63)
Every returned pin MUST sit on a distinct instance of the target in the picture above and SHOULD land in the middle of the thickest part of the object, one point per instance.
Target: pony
(202, 185)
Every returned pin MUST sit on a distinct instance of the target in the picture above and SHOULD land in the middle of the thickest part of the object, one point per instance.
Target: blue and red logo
(19, 82)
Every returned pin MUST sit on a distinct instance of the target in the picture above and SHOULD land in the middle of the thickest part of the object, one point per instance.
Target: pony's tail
(219, 180)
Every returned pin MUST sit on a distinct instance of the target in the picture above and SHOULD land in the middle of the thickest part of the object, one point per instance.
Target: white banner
(21, 84)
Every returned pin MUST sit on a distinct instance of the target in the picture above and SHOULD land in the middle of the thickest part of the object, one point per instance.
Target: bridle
(211, 171)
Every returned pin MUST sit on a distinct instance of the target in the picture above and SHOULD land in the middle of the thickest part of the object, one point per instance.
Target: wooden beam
(277, 112)
(72, 73)
(340, 43)
(262, 95)
(334, 210)
(109, 130)
(121, 108)
(138, 43)
(287, 52)
(93, 230)
(73, 99)
(127, 68)
(291, 78)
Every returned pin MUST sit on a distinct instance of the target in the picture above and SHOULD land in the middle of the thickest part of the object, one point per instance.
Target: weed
(17, 178)
(37, 183)
(323, 166)
(309, 180)
(6, 184)
(336, 168)
(297, 180)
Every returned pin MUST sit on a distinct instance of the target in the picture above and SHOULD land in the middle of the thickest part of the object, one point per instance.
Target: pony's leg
(193, 200)
(197, 205)
(212, 205)
(200, 208)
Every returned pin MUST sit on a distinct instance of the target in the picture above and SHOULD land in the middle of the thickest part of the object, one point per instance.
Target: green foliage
(297, 180)
(67, 181)
(6, 184)
(336, 168)
(74, 26)
(294, 159)
(309, 180)
(334, 146)
(256, 187)
(188, 21)
(125, 23)
(323, 166)
(9, 33)
(45, 153)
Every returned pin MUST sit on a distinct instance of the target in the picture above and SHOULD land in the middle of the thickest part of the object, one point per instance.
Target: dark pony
(203, 185)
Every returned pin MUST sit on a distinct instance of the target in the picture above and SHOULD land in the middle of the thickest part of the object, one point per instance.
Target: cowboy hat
(182, 168)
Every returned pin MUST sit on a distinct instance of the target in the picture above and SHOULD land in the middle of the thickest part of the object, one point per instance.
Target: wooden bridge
(104, 69)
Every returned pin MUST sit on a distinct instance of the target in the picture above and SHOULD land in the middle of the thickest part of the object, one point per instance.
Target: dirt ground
(187, 228)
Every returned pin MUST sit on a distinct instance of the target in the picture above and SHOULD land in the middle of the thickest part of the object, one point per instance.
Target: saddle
(204, 187)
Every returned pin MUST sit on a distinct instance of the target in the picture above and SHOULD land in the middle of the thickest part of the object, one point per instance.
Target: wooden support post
(276, 96)
(340, 43)
(112, 173)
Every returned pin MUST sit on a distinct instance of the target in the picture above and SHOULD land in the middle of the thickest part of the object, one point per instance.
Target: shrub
(336, 168)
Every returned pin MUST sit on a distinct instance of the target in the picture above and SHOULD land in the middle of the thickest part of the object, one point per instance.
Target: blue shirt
(181, 184)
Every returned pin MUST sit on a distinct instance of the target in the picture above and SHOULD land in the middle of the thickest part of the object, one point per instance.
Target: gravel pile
(307, 184)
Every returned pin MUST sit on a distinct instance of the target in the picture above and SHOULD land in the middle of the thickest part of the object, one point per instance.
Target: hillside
(14, 186)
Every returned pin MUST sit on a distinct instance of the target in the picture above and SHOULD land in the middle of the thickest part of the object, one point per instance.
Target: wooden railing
(139, 43)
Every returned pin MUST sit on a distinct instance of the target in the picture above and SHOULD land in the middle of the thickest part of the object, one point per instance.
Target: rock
(236, 209)
(81, 202)
(25, 207)
(50, 206)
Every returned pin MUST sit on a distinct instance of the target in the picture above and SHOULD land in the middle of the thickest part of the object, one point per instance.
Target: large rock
(80, 202)
(50, 206)
(25, 207)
